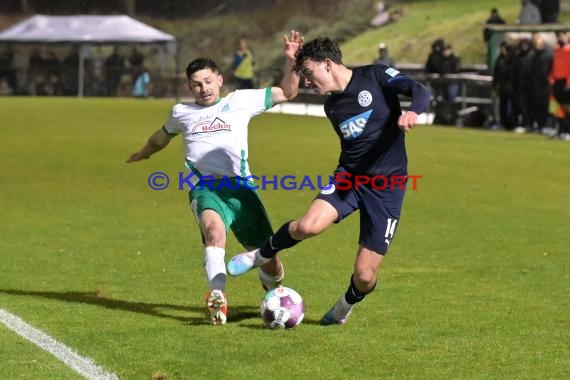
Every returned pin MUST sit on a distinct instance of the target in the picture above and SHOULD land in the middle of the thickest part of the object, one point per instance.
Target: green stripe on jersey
(243, 163)
(171, 134)
(193, 169)
(268, 103)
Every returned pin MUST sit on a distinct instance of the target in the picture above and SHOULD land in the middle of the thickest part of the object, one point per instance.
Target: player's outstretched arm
(420, 95)
(158, 141)
(289, 85)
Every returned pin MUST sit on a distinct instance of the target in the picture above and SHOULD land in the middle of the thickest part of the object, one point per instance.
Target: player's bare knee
(306, 228)
(214, 236)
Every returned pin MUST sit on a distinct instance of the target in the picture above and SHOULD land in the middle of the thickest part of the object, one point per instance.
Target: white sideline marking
(78, 363)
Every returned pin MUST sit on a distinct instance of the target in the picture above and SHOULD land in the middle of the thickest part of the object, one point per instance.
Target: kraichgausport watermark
(340, 181)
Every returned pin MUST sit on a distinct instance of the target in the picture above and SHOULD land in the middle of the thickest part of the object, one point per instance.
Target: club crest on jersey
(364, 98)
(353, 127)
(217, 125)
(329, 189)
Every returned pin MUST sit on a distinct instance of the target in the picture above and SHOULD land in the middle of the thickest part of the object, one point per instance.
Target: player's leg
(214, 233)
(252, 228)
(272, 273)
(379, 215)
(362, 282)
(213, 217)
(318, 218)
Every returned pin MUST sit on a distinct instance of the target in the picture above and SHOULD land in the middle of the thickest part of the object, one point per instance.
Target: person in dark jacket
(503, 85)
(522, 80)
(539, 94)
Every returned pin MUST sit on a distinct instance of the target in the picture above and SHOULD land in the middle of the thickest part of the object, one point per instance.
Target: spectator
(549, 10)
(114, 67)
(529, 13)
(383, 56)
(522, 75)
(136, 61)
(53, 74)
(445, 112)
(242, 66)
(494, 18)
(434, 64)
(20, 62)
(450, 65)
(37, 72)
(7, 71)
(560, 77)
(141, 87)
(451, 62)
(539, 94)
(503, 86)
(70, 78)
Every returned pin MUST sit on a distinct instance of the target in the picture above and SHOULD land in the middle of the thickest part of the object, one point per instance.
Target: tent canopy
(85, 31)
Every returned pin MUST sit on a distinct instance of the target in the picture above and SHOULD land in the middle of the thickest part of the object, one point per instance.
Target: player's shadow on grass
(160, 310)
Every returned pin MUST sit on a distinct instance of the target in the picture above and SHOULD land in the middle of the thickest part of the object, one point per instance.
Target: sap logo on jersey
(353, 127)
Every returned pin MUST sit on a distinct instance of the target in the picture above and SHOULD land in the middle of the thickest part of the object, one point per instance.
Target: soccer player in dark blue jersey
(371, 176)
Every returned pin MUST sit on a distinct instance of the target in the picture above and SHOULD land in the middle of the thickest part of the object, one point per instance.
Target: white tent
(85, 31)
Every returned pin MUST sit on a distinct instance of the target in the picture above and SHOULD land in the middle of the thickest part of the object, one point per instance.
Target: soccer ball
(282, 308)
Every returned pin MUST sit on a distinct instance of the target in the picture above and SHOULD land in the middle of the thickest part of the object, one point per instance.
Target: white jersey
(215, 137)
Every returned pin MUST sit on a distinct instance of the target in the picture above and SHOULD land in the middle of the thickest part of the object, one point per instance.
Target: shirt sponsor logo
(218, 125)
(364, 98)
(353, 127)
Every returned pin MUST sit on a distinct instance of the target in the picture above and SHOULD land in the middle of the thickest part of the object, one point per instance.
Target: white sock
(215, 267)
(258, 259)
(272, 281)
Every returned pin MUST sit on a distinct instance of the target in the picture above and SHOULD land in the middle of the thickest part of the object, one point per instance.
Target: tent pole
(81, 70)
(177, 70)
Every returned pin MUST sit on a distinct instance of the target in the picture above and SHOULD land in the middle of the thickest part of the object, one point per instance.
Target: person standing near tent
(114, 68)
(141, 87)
(242, 66)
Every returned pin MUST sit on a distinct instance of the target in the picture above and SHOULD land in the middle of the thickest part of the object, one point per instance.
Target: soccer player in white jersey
(214, 130)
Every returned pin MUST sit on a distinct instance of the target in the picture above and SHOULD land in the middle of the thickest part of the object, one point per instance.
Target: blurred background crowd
(522, 86)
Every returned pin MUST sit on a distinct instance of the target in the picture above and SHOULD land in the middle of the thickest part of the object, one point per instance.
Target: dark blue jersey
(365, 117)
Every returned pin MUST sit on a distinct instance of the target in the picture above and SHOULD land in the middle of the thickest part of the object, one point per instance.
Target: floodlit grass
(474, 287)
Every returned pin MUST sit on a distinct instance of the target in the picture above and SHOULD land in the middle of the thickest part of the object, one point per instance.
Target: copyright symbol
(158, 181)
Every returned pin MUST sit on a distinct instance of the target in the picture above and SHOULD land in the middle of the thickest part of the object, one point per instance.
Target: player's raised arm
(289, 85)
(158, 141)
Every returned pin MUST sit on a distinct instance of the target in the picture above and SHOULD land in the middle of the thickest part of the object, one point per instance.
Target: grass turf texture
(474, 287)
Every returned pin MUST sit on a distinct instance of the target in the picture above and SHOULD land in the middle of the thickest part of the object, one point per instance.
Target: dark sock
(278, 241)
(353, 295)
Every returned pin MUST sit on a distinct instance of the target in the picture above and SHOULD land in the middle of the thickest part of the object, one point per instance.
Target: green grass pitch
(475, 286)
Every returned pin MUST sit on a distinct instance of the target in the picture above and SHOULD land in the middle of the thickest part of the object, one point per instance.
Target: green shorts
(241, 210)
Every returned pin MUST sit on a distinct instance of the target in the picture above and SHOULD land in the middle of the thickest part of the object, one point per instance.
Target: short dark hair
(201, 64)
(317, 50)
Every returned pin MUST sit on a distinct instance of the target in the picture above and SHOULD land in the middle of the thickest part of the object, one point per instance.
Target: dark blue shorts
(380, 204)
